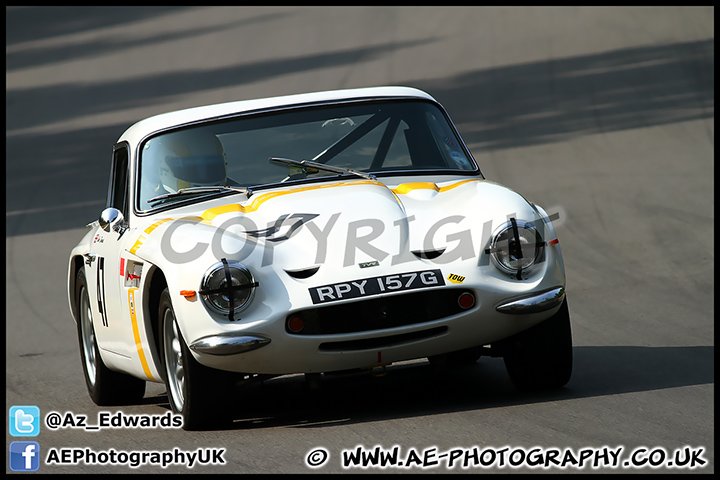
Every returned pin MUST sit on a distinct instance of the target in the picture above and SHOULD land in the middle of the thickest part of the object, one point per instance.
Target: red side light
(554, 241)
(466, 300)
(295, 324)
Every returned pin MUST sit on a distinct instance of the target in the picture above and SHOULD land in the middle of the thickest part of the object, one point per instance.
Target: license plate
(365, 287)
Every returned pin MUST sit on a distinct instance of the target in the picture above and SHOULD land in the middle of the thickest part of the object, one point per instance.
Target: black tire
(541, 357)
(199, 393)
(106, 387)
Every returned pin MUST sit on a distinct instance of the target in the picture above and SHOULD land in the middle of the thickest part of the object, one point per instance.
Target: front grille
(382, 342)
(379, 313)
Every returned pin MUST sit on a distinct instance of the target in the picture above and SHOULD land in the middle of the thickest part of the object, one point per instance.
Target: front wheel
(541, 357)
(199, 393)
(106, 387)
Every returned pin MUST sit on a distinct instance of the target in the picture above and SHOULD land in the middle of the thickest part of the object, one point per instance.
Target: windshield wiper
(321, 166)
(192, 190)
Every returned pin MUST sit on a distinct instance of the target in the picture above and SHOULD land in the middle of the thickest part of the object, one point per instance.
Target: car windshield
(379, 138)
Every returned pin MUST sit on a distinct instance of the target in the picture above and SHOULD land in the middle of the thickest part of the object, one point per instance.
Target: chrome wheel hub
(88, 337)
(174, 367)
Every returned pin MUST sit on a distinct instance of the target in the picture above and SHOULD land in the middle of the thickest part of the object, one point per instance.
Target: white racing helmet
(188, 158)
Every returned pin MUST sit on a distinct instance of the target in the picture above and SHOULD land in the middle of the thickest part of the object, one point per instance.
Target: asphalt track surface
(603, 115)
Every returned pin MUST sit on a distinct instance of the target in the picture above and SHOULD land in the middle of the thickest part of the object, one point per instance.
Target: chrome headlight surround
(516, 247)
(227, 288)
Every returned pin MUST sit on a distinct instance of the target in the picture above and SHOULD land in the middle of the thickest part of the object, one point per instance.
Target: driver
(188, 158)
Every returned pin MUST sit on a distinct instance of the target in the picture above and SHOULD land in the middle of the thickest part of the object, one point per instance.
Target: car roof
(143, 128)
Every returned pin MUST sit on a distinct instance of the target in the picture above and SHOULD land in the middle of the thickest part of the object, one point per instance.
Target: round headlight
(227, 288)
(516, 247)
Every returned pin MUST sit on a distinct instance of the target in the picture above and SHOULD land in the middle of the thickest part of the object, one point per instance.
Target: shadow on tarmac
(420, 389)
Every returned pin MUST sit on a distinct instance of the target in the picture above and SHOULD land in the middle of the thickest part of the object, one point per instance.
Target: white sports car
(309, 233)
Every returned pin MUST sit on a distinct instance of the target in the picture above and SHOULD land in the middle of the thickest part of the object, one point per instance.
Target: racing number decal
(101, 290)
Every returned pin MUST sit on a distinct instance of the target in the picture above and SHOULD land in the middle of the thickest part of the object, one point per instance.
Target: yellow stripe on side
(156, 224)
(142, 237)
(136, 334)
(208, 215)
(450, 187)
(138, 244)
(405, 188)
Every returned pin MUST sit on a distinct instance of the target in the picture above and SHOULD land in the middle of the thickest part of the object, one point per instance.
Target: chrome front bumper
(535, 303)
(229, 344)
(225, 344)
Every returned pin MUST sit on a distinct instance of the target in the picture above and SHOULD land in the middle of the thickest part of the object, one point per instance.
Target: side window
(118, 191)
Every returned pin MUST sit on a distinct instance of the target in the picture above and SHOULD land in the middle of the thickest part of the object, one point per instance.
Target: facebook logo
(24, 421)
(24, 456)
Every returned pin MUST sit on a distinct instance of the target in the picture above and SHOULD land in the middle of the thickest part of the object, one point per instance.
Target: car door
(107, 264)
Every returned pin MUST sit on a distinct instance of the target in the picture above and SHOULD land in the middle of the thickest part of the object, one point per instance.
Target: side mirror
(112, 219)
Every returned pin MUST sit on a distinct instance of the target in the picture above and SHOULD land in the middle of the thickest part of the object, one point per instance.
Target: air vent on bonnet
(303, 272)
(428, 254)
